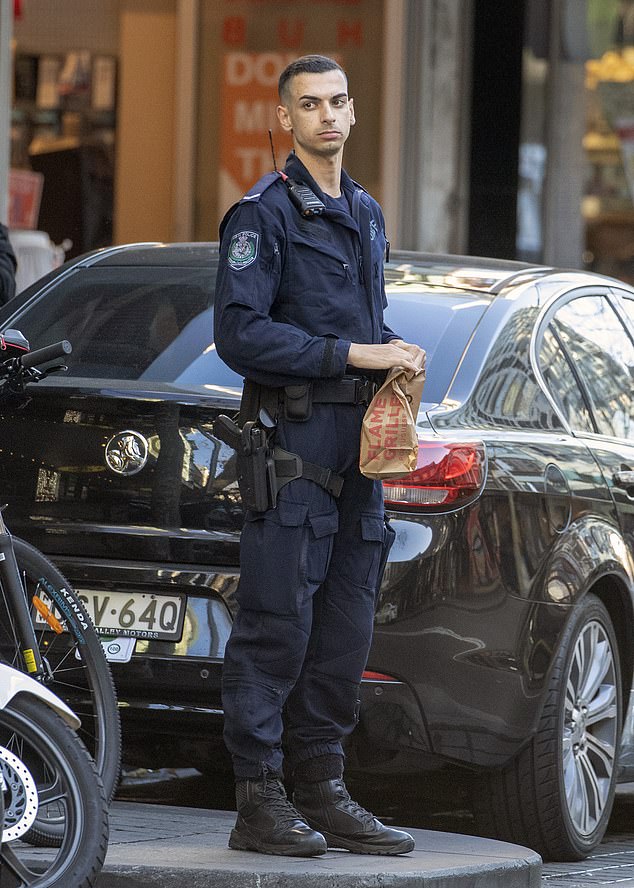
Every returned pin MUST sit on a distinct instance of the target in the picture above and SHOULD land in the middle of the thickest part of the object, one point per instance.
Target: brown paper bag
(389, 443)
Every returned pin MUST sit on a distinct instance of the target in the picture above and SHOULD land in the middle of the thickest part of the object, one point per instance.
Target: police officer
(300, 300)
(8, 266)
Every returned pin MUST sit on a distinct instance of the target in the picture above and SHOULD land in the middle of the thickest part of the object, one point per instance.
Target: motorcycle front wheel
(44, 762)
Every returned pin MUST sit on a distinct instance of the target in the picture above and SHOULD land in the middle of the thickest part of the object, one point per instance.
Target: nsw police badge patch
(243, 249)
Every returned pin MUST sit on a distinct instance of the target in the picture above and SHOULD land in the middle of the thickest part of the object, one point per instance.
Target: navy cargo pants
(308, 577)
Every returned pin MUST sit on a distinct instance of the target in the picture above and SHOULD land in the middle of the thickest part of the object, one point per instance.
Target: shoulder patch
(243, 249)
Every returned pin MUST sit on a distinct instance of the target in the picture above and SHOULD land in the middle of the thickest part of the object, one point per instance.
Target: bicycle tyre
(84, 681)
(46, 745)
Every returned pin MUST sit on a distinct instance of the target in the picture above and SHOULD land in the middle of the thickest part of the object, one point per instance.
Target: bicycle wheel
(44, 762)
(79, 672)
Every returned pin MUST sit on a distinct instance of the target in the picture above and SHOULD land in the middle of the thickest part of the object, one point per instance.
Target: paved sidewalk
(172, 847)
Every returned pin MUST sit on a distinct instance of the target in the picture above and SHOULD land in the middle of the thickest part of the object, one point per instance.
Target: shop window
(608, 204)
(62, 147)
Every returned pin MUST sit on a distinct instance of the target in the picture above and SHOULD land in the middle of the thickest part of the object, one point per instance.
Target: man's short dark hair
(308, 64)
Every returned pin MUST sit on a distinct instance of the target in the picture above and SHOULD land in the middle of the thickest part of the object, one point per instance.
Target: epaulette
(252, 196)
(357, 185)
(260, 187)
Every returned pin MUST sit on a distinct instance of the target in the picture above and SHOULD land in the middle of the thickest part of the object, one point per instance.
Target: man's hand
(395, 353)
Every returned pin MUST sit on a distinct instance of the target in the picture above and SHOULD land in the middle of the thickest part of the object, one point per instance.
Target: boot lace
(278, 803)
(353, 808)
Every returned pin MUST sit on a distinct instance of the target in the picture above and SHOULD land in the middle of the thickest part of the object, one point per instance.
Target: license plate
(134, 614)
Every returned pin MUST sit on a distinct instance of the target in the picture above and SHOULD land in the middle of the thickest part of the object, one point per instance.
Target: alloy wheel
(590, 728)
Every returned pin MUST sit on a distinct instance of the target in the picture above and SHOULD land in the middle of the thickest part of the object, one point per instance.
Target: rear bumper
(455, 701)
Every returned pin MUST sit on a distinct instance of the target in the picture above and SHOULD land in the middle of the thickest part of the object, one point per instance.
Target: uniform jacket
(7, 267)
(293, 293)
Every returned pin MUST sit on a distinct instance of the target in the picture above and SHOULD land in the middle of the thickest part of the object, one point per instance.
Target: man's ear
(284, 118)
(352, 117)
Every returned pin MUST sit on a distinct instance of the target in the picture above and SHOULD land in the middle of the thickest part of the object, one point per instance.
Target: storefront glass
(532, 157)
(244, 46)
(63, 121)
(608, 203)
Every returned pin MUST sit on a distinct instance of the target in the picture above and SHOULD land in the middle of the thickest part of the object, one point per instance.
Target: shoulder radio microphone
(306, 202)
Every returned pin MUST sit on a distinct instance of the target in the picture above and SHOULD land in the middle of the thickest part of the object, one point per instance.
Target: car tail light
(369, 675)
(448, 473)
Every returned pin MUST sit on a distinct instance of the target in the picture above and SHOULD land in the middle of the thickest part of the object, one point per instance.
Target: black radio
(303, 198)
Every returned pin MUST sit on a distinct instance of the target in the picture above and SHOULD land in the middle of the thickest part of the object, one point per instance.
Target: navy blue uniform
(292, 294)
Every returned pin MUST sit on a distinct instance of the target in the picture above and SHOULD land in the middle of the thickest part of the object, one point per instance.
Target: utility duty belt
(263, 467)
(295, 402)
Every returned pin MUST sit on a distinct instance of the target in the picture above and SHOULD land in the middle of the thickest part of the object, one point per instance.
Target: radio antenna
(272, 151)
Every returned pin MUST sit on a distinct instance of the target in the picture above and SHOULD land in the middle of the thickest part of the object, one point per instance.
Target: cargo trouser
(308, 576)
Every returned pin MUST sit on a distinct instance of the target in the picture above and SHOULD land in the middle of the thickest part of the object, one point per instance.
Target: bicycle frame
(20, 370)
(18, 604)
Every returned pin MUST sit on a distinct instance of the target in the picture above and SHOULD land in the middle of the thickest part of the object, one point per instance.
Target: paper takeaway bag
(389, 443)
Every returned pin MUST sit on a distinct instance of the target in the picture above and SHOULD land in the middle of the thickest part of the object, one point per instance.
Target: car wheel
(557, 795)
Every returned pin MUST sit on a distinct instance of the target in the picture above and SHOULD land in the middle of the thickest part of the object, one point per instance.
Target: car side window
(629, 309)
(602, 355)
(562, 383)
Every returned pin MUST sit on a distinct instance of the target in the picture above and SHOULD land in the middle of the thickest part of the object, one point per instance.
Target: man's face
(318, 112)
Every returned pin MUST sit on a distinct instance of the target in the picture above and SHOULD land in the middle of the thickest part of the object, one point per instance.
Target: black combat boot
(327, 807)
(267, 822)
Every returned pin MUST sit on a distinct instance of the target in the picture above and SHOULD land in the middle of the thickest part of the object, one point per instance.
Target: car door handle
(624, 479)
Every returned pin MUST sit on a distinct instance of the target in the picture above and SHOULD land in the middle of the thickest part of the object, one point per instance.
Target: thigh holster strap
(289, 466)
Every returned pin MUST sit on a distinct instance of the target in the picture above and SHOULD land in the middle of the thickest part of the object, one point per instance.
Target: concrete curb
(171, 847)
(511, 874)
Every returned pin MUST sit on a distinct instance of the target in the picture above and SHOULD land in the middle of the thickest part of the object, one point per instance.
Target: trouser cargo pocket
(284, 556)
(363, 550)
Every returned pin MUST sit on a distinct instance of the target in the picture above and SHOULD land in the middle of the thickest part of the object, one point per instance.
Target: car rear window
(136, 323)
(440, 321)
(155, 324)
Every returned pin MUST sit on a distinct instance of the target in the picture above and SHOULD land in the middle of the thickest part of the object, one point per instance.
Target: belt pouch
(298, 402)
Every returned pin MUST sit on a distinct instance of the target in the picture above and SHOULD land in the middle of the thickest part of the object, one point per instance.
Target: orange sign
(249, 100)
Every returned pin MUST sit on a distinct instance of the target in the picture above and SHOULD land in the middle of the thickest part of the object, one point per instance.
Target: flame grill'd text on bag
(389, 443)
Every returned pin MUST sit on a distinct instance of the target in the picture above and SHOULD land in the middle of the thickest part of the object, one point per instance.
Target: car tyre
(556, 796)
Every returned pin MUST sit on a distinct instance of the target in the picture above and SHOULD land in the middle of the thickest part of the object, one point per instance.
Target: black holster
(263, 468)
(254, 461)
(256, 470)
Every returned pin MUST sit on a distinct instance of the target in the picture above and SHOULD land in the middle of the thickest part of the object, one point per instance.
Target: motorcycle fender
(14, 682)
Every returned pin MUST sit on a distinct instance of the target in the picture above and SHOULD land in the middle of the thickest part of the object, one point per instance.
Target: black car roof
(432, 269)
(484, 275)
(152, 254)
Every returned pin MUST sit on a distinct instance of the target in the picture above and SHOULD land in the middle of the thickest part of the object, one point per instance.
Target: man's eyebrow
(342, 95)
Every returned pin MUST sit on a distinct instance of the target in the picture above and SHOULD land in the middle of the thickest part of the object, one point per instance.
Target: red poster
(25, 194)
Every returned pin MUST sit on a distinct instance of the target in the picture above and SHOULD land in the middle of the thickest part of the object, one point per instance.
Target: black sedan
(504, 641)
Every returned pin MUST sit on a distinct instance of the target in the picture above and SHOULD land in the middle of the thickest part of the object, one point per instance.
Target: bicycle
(42, 759)
(45, 630)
